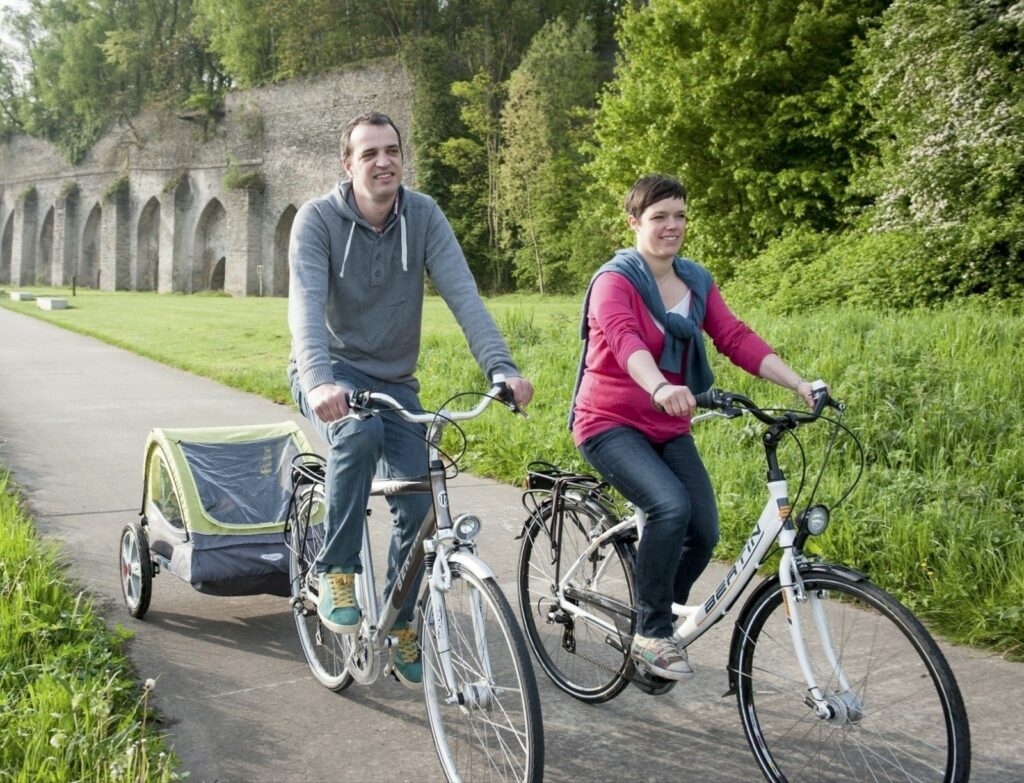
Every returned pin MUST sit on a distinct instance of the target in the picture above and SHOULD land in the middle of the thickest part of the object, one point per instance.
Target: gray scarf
(681, 331)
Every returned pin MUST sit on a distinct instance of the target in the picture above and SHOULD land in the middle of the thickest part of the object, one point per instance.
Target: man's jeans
(384, 445)
(669, 482)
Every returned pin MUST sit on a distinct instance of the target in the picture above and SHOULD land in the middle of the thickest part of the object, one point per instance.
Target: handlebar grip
(819, 393)
(712, 398)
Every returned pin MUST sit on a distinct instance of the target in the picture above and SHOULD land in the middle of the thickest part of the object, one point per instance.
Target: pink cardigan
(621, 325)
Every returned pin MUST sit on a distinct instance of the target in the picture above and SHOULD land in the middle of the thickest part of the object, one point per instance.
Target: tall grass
(933, 396)
(70, 708)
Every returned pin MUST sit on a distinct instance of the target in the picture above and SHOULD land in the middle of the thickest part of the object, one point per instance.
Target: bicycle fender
(472, 564)
(771, 583)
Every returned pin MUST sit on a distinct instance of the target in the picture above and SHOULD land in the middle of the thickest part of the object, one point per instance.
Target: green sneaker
(337, 607)
(408, 665)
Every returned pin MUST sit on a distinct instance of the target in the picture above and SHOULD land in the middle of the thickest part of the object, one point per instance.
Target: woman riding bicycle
(643, 361)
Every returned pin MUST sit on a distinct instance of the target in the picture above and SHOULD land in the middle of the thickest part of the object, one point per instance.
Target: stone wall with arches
(173, 202)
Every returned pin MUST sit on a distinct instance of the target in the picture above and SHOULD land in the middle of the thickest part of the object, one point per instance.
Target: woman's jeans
(669, 482)
(382, 445)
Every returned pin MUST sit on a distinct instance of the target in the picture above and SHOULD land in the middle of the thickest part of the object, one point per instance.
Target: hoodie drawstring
(348, 245)
(405, 247)
(405, 250)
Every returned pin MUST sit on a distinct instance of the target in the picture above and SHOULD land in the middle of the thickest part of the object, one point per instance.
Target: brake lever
(506, 397)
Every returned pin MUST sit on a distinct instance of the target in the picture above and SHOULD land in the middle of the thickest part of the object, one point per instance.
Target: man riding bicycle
(357, 260)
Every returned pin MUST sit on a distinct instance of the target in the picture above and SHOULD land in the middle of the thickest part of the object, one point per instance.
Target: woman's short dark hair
(370, 118)
(650, 190)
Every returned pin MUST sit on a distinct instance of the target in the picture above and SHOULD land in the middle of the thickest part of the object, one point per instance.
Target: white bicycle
(478, 681)
(834, 678)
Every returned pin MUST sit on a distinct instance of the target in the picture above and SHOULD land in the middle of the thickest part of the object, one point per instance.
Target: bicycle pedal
(649, 683)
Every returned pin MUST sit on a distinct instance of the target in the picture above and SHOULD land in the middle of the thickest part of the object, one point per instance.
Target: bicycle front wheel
(578, 652)
(325, 651)
(896, 712)
(482, 701)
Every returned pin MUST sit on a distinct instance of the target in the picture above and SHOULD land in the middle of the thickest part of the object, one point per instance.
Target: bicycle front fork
(462, 694)
(795, 597)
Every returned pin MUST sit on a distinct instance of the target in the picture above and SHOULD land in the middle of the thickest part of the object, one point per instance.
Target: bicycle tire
(580, 657)
(325, 651)
(903, 717)
(490, 727)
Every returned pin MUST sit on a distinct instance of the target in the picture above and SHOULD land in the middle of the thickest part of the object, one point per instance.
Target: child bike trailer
(214, 506)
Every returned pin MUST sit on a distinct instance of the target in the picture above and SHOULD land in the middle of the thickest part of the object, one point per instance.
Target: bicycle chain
(630, 673)
(575, 651)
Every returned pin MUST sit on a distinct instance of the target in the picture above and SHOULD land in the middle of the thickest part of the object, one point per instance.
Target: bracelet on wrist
(796, 386)
(655, 391)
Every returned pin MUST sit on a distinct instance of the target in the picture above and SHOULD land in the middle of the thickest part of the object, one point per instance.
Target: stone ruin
(175, 202)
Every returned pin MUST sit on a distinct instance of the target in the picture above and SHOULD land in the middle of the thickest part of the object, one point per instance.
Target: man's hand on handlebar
(522, 390)
(329, 401)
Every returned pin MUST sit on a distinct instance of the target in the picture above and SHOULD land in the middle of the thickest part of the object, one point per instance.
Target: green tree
(467, 38)
(472, 197)
(550, 96)
(93, 61)
(749, 102)
(241, 32)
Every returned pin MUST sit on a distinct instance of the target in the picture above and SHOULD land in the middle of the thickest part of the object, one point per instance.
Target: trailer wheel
(136, 569)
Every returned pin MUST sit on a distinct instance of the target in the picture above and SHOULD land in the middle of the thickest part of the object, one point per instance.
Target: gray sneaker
(661, 656)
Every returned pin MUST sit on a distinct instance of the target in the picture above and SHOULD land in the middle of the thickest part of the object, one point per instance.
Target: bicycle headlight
(814, 520)
(466, 527)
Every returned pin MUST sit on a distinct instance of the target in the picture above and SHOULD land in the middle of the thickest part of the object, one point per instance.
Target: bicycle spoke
(484, 722)
(896, 721)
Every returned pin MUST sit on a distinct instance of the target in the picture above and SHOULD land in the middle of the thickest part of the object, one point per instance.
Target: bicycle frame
(435, 544)
(697, 618)
(775, 523)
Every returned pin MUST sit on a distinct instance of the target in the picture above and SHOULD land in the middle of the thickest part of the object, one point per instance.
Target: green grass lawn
(242, 342)
(933, 396)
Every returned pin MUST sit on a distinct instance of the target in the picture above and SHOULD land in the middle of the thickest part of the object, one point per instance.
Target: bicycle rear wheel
(902, 717)
(488, 727)
(325, 650)
(580, 656)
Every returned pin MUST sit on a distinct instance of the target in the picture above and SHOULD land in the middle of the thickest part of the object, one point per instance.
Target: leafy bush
(898, 269)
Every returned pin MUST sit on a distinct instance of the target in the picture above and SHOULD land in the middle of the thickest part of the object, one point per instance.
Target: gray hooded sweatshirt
(356, 295)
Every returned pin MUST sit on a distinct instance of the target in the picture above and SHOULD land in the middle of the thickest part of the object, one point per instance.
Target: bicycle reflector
(466, 527)
(814, 520)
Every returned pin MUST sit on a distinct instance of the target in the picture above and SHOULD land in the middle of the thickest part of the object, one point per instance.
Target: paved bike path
(239, 703)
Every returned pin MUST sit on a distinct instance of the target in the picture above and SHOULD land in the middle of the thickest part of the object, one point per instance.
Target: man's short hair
(650, 190)
(370, 118)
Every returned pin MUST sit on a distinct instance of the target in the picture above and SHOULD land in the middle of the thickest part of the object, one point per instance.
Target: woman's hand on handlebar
(804, 391)
(674, 400)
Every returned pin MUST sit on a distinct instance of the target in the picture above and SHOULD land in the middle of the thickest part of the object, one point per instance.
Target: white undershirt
(682, 308)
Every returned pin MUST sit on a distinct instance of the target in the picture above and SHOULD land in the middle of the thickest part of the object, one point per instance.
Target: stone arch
(89, 263)
(217, 274)
(208, 249)
(147, 264)
(44, 271)
(7, 249)
(282, 235)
